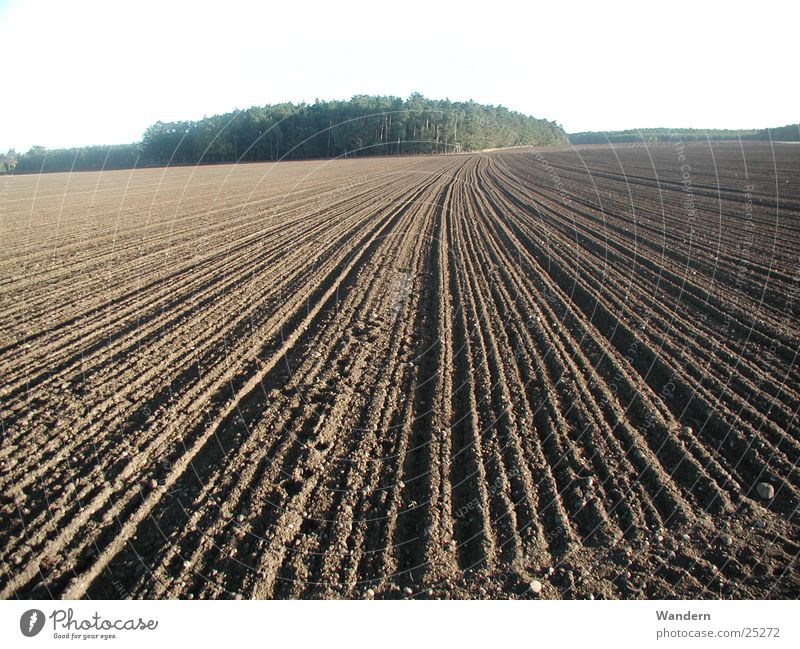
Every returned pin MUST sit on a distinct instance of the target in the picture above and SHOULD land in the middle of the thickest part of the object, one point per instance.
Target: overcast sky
(99, 72)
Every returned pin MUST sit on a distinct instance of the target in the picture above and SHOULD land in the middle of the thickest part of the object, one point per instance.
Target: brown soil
(415, 377)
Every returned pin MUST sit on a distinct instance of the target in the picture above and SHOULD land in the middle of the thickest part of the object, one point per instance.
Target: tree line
(789, 133)
(363, 126)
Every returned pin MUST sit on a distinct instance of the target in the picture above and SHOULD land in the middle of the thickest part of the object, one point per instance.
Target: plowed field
(405, 377)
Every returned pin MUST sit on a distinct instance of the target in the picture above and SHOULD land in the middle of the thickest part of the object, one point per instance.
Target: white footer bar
(402, 624)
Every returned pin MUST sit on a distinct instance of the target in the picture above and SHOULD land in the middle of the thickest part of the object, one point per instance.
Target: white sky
(80, 72)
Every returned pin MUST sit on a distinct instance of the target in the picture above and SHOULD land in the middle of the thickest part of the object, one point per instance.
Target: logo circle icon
(31, 622)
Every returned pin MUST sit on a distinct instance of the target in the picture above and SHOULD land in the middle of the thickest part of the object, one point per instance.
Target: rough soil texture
(433, 377)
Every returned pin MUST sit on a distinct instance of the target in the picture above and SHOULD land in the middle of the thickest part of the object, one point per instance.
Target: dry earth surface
(433, 377)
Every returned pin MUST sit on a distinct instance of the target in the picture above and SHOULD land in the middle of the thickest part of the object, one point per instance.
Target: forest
(789, 133)
(362, 126)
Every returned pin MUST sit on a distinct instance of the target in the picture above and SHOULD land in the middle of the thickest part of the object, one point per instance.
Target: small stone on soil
(765, 490)
(536, 586)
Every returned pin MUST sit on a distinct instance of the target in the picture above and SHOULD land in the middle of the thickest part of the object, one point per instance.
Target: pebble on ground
(765, 490)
